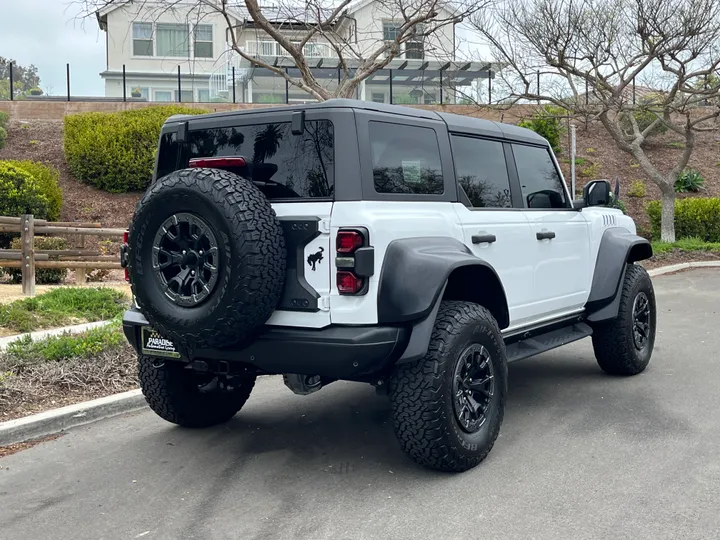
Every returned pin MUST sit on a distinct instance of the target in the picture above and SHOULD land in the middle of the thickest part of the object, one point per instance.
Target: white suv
(414, 250)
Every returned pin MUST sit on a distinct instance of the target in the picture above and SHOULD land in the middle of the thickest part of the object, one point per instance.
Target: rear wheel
(624, 345)
(448, 407)
(188, 398)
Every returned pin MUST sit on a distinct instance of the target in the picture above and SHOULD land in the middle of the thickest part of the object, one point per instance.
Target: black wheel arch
(618, 248)
(418, 273)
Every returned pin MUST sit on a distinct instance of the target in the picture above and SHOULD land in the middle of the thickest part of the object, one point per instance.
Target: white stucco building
(181, 53)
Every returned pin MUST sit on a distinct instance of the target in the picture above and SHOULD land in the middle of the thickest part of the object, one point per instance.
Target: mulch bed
(678, 256)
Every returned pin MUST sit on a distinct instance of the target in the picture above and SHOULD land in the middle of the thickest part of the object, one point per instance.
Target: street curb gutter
(682, 266)
(53, 421)
(56, 420)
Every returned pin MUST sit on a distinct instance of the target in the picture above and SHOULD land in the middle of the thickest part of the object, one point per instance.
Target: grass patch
(61, 307)
(25, 351)
(685, 244)
(36, 375)
(676, 144)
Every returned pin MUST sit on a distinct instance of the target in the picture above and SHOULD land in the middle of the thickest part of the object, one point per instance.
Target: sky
(47, 34)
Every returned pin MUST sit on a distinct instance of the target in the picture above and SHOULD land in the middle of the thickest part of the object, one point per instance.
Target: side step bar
(540, 343)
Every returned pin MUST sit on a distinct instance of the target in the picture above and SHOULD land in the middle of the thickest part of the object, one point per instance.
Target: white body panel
(386, 221)
(511, 255)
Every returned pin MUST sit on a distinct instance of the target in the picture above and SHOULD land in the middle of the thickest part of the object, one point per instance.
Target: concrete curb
(56, 420)
(682, 266)
(40, 334)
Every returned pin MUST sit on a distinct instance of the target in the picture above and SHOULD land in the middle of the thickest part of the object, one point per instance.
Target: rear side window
(282, 165)
(405, 159)
(482, 172)
(540, 181)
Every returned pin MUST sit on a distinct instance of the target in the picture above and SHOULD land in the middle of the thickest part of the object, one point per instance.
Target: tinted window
(406, 159)
(539, 179)
(481, 172)
(283, 165)
(167, 154)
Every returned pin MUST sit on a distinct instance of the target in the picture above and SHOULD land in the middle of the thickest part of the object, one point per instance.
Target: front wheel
(187, 398)
(624, 345)
(448, 407)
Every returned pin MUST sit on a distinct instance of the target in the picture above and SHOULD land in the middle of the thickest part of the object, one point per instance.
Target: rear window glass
(406, 159)
(167, 154)
(282, 165)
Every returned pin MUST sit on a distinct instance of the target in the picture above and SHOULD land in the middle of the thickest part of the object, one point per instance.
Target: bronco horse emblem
(315, 258)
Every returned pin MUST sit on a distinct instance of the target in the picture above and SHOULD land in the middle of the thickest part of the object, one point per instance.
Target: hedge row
(116, 151)
(3, 127)
(696, 217)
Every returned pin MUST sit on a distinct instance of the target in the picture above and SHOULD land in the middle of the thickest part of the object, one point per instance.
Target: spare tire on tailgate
(207, 258)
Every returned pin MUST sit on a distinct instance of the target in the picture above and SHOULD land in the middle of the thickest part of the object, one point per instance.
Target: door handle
(483, 238)
(545, 235)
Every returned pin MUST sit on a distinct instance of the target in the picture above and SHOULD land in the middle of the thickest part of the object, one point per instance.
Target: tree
(295, 25)
(591, 53)
(24, 78)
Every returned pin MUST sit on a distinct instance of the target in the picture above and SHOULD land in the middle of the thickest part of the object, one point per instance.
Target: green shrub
(647, 111)
(116, 151)
(20, 193)
(546, 123)
(637, 189)
(591, 171)
(4, 118)
(697, 217)
(3, 136)
(47, 179)
(689, 180)
(617, 203)
(43, 276)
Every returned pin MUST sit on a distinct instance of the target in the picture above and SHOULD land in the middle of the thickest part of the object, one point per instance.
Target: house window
(203, 95)
(142, 39)
(391, 30)
(186, 95)
(267, 48)
(414, 47)
(163, 95)
(173, 40)
(203, 41)
(144, 91)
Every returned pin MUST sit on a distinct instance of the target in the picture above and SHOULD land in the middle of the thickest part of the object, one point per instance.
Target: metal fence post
(572, 159)
(490, 86)
(538, 87)
(179, 87)
(12, 89)
(233, 75)
(124, 85)
(27, 264)
(287, 88)
(441, 96)
(67, 76)
(391, 97)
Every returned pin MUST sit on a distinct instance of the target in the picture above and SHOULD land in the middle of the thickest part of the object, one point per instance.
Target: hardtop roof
(455, 122)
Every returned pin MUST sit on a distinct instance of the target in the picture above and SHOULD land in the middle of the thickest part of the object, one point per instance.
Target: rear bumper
(340, 352)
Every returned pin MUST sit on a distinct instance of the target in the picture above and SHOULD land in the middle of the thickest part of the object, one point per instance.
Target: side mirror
(597, 193)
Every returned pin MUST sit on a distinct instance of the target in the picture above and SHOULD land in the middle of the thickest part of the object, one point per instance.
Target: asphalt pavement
(580, 455)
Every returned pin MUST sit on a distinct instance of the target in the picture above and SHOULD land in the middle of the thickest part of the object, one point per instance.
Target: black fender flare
(413, 278)
(618, 248)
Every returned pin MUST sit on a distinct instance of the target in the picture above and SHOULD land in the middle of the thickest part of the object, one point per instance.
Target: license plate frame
(153, 344)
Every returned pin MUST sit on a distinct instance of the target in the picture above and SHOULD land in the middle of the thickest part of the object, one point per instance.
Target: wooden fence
(27, 258)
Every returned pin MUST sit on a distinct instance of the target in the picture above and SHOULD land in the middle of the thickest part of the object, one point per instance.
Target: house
(178, 51)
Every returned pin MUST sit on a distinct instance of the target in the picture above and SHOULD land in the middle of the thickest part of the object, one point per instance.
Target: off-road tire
(613, 341)
(172, 392)
(251, 258)
(421, 393)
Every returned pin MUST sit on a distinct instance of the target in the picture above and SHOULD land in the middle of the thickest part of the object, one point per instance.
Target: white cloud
(48, 33)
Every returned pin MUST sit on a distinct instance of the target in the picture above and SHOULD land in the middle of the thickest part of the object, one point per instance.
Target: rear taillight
(355, 261)
(349, 283)
(349, 241)
(124, 255)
